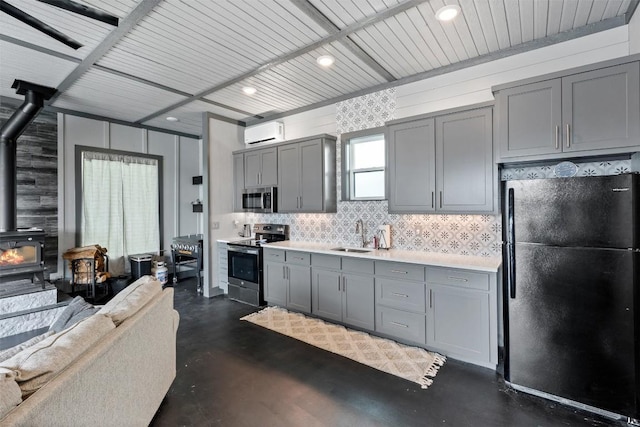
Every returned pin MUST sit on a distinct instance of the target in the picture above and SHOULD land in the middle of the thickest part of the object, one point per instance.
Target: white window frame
(348, 172)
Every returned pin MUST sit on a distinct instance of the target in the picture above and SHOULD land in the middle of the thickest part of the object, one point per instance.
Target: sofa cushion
(10, 395)
(12, 351)
(128, 301)
(39, 363)
(77, 310)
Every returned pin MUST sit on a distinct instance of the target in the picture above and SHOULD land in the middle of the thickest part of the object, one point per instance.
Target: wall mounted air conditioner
(264, 133)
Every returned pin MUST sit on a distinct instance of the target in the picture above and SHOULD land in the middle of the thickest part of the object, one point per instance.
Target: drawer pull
(400, 271)
(402, 325)
(395, 294)
(298, 257)
(457, 279)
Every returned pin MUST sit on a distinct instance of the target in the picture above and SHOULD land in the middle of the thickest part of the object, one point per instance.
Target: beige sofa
(119, 380)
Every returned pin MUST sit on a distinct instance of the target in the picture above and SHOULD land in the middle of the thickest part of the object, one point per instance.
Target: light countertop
(489, 264)
(233, 239)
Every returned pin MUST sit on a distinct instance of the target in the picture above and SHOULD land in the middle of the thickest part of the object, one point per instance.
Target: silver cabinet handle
(283, 274)
(338, 283)
(568, 135)
(395, 294)
(300, 202)
(557, 137)
(433, 199)
(344, 284)
(402, 325)
(400, 271)
(441, 199)
(457, 279)
(288, 273)
(430, 298)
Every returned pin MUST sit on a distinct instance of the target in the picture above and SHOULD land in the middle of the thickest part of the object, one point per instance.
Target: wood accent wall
(37, 164)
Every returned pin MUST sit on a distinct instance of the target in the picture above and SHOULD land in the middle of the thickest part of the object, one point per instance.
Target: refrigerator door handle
(511, 235)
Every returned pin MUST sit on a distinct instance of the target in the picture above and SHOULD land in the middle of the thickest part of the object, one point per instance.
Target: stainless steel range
(245, 263)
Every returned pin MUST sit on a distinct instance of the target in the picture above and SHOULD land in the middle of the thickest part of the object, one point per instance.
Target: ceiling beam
(343, 33)
(126, 25)
(321, 19)
(633, 6)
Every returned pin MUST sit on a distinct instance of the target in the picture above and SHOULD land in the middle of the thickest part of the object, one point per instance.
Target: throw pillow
(128, 301)
(12, 351)
(10, 395)
(77, 310)
(39, 363)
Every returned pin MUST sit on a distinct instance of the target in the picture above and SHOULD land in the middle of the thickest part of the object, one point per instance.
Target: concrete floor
(234, 373)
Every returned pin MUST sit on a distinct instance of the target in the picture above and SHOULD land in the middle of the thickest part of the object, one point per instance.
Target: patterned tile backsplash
(479, 235)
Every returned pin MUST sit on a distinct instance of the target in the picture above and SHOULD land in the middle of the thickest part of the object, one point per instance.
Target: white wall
(181, 160)
(224, 139)
(634, 33)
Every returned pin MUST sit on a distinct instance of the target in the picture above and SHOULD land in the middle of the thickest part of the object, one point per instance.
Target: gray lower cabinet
(306, 177)
(261, 168)
(593, 112)
(462, 314)
(442, 164)
(287, 283)
(343, 296)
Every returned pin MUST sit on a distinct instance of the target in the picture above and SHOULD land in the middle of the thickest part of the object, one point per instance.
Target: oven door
(245, 267)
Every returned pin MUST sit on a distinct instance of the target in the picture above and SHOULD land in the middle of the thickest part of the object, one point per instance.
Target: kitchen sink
(354, 250)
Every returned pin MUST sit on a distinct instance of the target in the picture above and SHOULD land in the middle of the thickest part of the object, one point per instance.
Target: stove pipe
(34, 97)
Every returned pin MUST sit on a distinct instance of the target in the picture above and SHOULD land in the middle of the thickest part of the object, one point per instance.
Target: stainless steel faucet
(360, 229)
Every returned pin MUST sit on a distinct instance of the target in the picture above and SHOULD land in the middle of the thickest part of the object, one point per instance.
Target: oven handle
(242, 249)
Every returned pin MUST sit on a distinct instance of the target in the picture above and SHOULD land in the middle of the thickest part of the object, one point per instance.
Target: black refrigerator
(571, 259)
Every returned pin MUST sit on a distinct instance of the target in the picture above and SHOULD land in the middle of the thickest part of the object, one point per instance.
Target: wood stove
(22, 255)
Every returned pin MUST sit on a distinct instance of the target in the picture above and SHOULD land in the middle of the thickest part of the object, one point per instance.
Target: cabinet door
(275, 283)
(311, 176)
(458, 322)
(529, 119)
(464, 161)
(411, 180)
(238, 181)
(358, 301)
(269, 167)
(252, 167)
(327, 294)
(600, 109)
(288, 178)
(299, 295)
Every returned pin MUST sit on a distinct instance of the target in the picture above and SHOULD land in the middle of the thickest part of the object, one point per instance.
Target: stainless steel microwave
(263, 200)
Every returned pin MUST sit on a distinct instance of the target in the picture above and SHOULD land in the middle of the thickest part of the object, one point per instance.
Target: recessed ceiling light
(325, 60)
(249, 90)
(447, 13)
(172, 119)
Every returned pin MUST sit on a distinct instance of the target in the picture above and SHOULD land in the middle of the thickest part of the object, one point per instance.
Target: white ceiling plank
(554, 15)
(540, 10)
(613, 6)
(428, 15)
(499, 17)
(486, 21)
(464, 33)
(472, 20)
(512, 15)
(421, 49)
(450, 30)
(395, 37)
(569, 11)
(583, 10)
(597, 11)
(380, 50)
(526, 20)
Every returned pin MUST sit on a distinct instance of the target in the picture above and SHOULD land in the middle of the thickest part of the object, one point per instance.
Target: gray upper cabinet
(261, 168)
(306, 177)
(411, 182)
(442, 164)
(238, 181)
(587, 113)
(464, 161)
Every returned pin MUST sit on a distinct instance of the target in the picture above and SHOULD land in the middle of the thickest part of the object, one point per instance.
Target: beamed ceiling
(181, 58)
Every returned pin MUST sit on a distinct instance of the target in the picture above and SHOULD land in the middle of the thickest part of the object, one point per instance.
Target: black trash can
(140, 265)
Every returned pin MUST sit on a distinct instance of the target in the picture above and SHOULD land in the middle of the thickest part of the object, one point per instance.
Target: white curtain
(120, 206)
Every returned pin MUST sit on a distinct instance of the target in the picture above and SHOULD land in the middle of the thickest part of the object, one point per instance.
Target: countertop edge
(467, 262)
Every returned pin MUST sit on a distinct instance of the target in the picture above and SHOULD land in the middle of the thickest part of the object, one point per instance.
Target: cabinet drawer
(325, 261)
(462, 278)
(400, 270)
(400, 324)
(402, 295)
(276, 255)
(299, 258)
(355, 265)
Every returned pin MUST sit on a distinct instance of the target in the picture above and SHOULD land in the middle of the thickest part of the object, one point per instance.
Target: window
(118, 203)
(363, 165)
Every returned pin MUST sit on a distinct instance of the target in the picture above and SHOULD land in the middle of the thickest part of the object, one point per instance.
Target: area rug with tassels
(411, 363)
